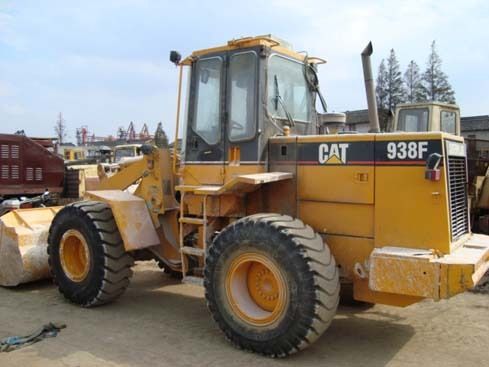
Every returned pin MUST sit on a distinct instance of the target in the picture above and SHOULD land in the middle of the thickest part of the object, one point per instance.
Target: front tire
(87, 259)
(271, 284)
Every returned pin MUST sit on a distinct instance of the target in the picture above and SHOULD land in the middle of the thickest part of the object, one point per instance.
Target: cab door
(241, 132)
(204, 150)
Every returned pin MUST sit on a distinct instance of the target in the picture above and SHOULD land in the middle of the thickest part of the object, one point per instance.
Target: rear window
(413, 119)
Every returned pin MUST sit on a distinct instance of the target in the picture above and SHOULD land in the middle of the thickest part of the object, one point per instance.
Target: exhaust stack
(370, 89)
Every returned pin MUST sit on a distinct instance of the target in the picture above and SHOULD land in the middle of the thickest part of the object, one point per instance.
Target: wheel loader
(437, 116)
(272, 218)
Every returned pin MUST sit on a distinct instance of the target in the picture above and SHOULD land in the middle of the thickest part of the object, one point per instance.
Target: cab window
(206, 119)
(447, 122)
(242, 96)
(413, 119)
(286, 81)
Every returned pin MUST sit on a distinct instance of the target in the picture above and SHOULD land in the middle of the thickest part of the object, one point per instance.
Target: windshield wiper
(278, 99)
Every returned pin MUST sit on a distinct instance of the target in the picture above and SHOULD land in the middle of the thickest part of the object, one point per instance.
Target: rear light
(432, 175)
(432, 171)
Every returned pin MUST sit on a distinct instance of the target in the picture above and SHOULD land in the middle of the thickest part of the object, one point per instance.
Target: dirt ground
(160, 322)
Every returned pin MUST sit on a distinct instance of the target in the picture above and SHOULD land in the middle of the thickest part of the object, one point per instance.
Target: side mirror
(175, 57)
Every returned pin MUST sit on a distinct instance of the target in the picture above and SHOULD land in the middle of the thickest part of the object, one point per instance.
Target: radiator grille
(457, 181)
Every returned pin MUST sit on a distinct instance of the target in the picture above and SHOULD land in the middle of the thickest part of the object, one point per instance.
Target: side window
(206, 119)
(447, 122)
(413, 119)
(242, 84)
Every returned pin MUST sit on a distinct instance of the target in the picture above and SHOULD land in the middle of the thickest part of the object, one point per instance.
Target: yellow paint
(155, 182)
(362, 292)
(230, 171)
(349, 251)
(265, 41)
(74, 255)
(23, 245)
(256, 289)
(434, 111)
(263, 286)
(203, 174)
(132, 217)
(404, 271)
(335, 184)
(74, 154)
(329, 138)
(338, 218)
(411, 211)
(423, 273)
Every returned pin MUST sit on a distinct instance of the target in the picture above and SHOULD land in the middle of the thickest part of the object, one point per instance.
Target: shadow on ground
(161, 322)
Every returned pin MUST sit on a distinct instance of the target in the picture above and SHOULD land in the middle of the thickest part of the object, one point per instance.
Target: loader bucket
(23, 245)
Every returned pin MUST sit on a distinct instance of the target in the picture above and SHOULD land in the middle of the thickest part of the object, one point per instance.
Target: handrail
(175, 144)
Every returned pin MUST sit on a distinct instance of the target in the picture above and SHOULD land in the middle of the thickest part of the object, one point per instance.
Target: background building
(476, 127)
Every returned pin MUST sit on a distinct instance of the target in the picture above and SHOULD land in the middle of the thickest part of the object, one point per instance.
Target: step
(192, 251)
(191, 220)
(193, 281)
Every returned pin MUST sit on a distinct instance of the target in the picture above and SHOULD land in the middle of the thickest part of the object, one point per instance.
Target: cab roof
(269, 41)
(425, 104)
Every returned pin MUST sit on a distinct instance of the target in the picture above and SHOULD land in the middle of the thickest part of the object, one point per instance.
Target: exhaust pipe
(370, 89)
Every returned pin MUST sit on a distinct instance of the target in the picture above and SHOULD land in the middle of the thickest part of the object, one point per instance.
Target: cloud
(104, 64)
(339, 31)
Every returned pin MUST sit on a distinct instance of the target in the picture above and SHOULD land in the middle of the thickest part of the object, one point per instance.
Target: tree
(395, 85)
(60, 128)
(414, 86)
(381, 87)
(435, 82)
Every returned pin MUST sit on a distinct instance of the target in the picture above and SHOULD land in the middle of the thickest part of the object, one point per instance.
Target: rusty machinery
(270, 217)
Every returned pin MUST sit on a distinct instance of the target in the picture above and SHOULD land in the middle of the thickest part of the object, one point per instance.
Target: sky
(105, 63)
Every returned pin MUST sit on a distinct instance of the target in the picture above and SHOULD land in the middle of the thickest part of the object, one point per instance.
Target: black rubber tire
(110, 265)
(311, 276)
(175, 274)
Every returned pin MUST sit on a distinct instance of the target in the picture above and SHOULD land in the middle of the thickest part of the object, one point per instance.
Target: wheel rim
(74, 255)
(256, 289)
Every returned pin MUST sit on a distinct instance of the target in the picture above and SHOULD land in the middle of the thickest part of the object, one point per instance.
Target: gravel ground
(160, 322)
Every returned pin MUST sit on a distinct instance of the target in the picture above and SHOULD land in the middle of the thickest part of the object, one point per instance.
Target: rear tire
(271, 284)
(87, 258)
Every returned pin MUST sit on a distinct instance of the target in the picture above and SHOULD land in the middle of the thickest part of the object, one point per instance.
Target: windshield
(287, 77)
(124, 152)
(413, 119)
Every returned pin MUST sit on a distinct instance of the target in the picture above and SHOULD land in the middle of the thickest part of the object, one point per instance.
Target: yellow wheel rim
(256, 289)
(74, 255)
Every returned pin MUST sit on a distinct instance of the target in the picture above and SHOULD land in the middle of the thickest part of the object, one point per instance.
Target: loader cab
(239, 95)
(124, 152)
(429, 116)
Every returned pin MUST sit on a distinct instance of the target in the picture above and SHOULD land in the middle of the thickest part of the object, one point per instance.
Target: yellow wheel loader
(437, 116)
(271, 217)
